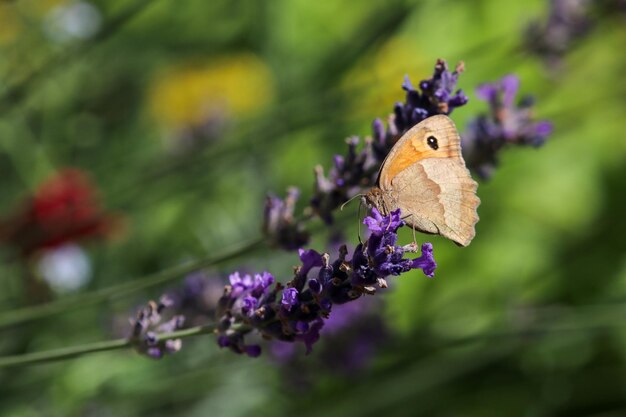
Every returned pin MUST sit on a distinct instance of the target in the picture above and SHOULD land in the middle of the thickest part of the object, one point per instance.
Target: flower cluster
(439, 95)
(63, 209)
(148, 326)
(568, 21)
(279, 223)
(358, 168)
(297, 312)
(507, 123)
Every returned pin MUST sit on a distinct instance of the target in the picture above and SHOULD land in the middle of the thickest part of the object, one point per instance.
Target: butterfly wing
(414, 146)
(425, 176)
(438, 196)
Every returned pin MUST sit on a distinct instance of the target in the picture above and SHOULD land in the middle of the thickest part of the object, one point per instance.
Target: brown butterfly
(425, 176)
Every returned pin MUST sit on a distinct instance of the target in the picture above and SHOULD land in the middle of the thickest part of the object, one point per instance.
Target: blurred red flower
(65, 208)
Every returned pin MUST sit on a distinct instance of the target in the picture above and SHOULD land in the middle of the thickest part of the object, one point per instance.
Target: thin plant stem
(75, 351)
(13, 317)
(557, 323)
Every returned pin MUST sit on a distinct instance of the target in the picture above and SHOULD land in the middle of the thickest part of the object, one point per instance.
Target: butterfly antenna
(351, 198)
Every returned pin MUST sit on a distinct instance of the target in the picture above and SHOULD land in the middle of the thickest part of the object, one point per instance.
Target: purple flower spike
(299, 313)
(568, 21)
(508, 123)
(279, 223)
(148, 325)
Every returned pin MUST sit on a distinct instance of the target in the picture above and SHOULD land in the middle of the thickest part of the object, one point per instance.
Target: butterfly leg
(412, 228)
(358, 221)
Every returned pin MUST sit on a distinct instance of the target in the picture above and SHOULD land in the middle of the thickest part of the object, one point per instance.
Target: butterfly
(424, 175)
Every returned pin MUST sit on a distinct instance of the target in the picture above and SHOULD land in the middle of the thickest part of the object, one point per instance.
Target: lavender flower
(298, 311)
(358, 168)
(438, 96)
(279, 224)
(568, 21)
(147, 327)
(508, 123)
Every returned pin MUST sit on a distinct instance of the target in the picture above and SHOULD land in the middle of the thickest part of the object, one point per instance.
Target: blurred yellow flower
(9, 24)
(236, 85)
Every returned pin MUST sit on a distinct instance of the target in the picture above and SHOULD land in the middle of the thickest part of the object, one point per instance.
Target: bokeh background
(181, 116)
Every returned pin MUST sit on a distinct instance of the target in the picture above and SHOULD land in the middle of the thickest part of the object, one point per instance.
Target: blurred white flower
(75, 20)
(65, 268)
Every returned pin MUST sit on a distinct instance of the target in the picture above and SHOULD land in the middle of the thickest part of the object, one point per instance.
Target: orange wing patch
(414, 149)
(407, 154)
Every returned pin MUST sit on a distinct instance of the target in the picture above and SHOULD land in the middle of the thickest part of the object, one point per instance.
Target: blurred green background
(185, 114)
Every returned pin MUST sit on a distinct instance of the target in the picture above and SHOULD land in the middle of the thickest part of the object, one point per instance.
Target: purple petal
(248, 305)
(173, 345)
(313, 335)
(510, 86)
(374, 221)
(315, 286)
(487, 92)
(290, 298)
(406, 85)
(154, 353)
(378, 130)
(302, 326)
(223, 341)
(378, 224)
(254, 351)
(263, 281)
(426, 262)
(310, 259)
(544, 128)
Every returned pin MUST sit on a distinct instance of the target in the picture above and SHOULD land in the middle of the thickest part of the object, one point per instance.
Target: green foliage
(527, 321)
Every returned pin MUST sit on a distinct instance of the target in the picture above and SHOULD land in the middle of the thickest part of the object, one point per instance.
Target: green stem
(18, 316)
(62, 353)
(74, 351)
(554, 322)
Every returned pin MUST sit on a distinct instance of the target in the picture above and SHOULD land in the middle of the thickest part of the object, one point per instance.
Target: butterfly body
(425, 176)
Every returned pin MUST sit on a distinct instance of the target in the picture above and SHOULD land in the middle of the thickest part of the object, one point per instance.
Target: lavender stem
(74, 351)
